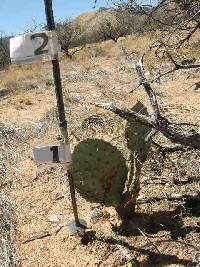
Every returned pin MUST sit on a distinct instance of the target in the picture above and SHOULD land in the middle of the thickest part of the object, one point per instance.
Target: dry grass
(136, 44)
(21, 101)
(16, 74)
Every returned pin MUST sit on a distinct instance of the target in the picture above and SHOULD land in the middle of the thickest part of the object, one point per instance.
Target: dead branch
(169, 129)
(169, 197)
(36, 236)
(149, 242)
(177, 66)
(188, 138)
(150, 135)
(129, 115)
(125, 251)
(148, 89)
(189, 35)
(170, 148)
(186, 123)
(172, 131)
(182, 66)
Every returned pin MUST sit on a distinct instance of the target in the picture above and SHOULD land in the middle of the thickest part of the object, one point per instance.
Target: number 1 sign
(33, 47)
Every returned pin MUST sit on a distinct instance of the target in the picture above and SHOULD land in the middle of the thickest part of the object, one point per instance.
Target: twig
(147, 87)
(40, 235)
(185, 123)
(148, 240)
(126, 252)
(177, 66)
(190, 34)
(171, 197)
(171, 148)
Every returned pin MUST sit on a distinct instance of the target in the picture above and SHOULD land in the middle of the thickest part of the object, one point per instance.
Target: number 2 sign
(33, 47)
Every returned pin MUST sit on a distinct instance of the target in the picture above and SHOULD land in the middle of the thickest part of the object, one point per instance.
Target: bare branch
(129, 115)
(171, 197)
(182, 66)
(185, 123)
(189, 138)
(189, 35)
(177, 66)
(170, 148)
(148, 89)
(150, 135)
(171, 130)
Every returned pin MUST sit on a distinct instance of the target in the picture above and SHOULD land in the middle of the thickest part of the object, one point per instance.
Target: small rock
(96, 215)
(59, 196)
(54, 218)
(55, 230)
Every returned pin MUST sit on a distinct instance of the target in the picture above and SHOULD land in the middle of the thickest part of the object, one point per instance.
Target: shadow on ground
(153, 259)
(170, 221)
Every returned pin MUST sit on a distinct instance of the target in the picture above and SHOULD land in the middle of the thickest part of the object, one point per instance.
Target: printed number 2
(40, 50)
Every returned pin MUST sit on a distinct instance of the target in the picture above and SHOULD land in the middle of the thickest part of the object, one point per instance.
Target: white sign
(52, 154)
(37, 46)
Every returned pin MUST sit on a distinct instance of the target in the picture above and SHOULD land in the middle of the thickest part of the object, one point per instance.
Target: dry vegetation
(169, 233)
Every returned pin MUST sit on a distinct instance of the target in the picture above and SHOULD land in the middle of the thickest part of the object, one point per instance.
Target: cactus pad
(136, 133)
(99, 171)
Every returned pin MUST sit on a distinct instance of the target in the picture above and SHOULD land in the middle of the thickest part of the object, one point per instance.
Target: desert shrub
(68, 33)
(4, 52)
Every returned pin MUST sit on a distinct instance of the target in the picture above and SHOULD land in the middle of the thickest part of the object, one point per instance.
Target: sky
(17, 16)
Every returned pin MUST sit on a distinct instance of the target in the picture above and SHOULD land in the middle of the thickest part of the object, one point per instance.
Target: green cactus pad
(136, 133)
(99, 171)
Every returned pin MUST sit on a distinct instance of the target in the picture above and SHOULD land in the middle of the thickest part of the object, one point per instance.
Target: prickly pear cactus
(136, 134)
(99, 171)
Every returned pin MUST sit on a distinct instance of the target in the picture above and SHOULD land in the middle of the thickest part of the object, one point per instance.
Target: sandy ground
(170, 237)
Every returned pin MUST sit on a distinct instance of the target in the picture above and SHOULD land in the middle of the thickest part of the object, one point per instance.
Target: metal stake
(61, 109)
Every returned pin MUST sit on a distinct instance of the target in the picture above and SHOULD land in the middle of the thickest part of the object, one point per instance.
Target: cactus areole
(99, 171)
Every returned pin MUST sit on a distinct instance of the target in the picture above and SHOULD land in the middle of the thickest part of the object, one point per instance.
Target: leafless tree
(68, 33)
(119, 24)
(174, 16)
(4, 51)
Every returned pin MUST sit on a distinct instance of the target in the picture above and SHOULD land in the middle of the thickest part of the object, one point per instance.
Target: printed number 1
(54, 149)
(40, 50)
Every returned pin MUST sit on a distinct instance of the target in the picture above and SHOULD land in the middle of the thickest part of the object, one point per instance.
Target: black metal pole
(56, 67)
(60, 105)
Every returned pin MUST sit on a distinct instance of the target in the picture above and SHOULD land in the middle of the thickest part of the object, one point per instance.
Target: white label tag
(37, 46)
(52, 154)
